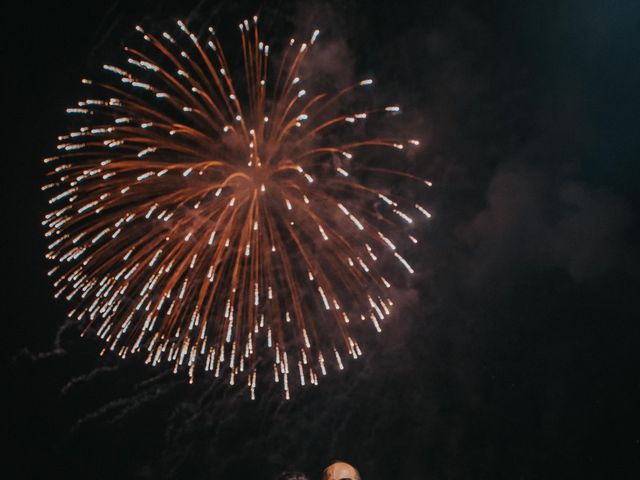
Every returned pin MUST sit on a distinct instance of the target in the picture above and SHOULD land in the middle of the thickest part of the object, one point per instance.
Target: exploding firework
(206, 220)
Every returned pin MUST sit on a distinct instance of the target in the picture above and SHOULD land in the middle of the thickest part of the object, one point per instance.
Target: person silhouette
(340, 471)
(292, 476)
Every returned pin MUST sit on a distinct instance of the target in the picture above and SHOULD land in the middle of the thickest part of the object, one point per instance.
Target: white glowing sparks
(224, 219)
(146, 151)
(404, 263)
(423, 211)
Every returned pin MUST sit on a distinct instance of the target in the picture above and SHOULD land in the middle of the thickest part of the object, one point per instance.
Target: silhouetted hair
(292, 476)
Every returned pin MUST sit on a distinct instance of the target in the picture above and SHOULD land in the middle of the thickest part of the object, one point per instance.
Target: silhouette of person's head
(340, 471)
(292, 476)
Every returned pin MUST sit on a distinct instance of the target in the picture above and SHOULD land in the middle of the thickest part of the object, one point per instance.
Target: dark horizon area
(515, 352)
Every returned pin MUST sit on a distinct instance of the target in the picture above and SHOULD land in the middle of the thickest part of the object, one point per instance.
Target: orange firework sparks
(205, 223)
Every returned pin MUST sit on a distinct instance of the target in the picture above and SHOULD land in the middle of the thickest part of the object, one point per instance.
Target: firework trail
(207, 220)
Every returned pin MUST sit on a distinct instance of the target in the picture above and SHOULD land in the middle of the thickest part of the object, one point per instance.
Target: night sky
(514, 354)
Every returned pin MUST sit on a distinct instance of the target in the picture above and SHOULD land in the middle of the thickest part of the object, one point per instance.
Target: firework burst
(206, 220)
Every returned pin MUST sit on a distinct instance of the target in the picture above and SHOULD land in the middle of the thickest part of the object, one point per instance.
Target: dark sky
(515, 355)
